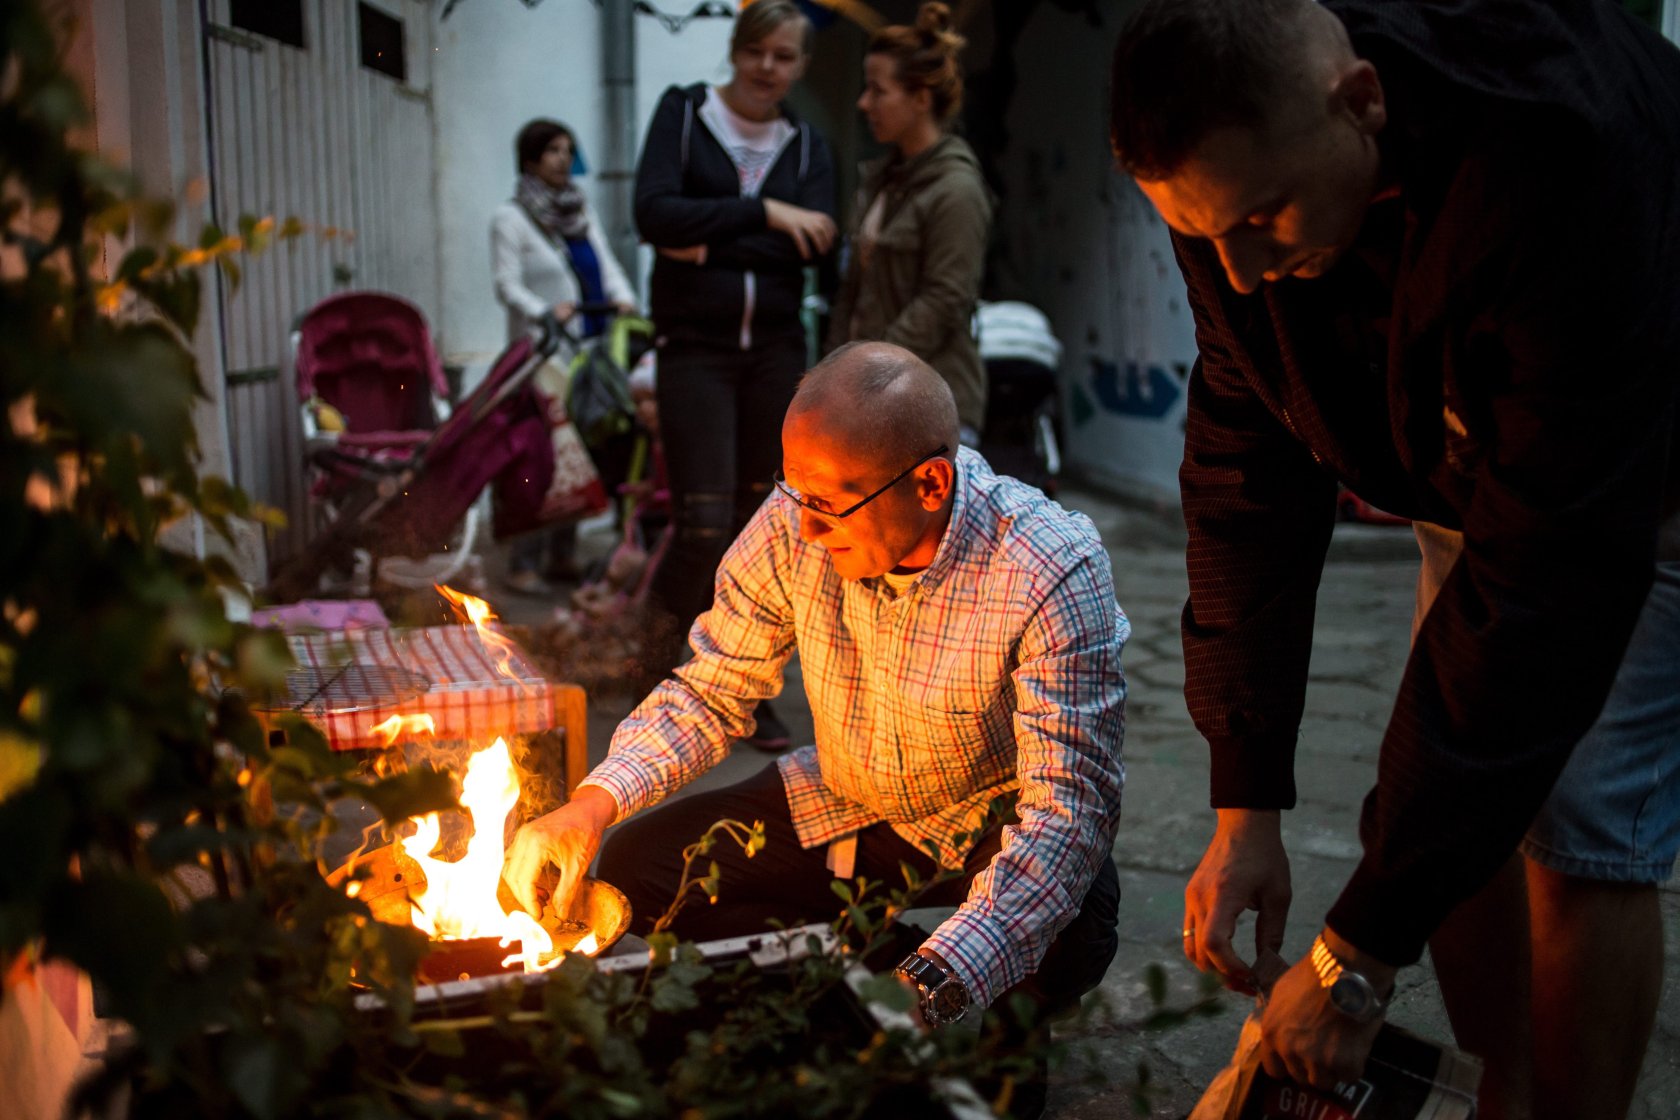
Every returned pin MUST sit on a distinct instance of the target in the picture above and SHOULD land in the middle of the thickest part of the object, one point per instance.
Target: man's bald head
(883, 402)
(1186, 68)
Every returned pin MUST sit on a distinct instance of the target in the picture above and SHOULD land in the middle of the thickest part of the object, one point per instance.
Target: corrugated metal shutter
(309, 133)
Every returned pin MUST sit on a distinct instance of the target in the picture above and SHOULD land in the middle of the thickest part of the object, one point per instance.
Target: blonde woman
(736, 194)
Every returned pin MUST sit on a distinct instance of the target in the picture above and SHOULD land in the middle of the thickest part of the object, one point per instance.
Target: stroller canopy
(370, 356)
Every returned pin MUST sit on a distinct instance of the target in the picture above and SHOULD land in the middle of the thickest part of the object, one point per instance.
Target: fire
(472, 609)
(459, 900)
(394, 728)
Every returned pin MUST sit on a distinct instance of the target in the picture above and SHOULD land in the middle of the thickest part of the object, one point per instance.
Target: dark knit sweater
(688, 193)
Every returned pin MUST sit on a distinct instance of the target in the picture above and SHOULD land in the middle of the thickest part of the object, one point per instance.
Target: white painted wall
(497, 66)
(1094, 256)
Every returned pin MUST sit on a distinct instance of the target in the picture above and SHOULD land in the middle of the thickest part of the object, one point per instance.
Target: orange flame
(470, 608)
(394, 727)
(459, 899)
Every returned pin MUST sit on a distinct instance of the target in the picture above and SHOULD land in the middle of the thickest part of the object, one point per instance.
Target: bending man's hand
(566, 839)
(1304, 1037)
(1244, 868)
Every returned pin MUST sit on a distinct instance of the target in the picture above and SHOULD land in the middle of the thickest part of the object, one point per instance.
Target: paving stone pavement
(1361, 636)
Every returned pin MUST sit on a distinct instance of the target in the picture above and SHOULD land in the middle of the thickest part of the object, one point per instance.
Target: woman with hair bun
(918, 241)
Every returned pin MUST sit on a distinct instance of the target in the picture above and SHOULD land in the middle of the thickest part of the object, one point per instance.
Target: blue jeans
(1614, 814)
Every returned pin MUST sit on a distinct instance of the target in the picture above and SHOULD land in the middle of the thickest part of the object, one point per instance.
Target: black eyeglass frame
(781, 484)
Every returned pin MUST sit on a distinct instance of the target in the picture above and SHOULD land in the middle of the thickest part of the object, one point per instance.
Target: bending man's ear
(1357, 92)
(935, 480)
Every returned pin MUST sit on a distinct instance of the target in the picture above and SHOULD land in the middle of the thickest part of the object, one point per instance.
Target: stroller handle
(551, 331)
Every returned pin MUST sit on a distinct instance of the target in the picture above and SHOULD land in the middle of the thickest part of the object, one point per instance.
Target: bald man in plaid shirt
(959, 639)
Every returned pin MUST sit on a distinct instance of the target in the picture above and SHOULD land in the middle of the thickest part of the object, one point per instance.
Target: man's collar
(953, 544)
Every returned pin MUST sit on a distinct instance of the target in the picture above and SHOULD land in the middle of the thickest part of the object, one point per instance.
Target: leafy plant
(136, 845)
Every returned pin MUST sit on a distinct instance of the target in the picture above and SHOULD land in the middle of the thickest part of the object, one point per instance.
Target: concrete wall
(497, 66)
(1087, 248)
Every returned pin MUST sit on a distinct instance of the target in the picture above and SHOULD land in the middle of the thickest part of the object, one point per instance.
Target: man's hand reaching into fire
(565, 839)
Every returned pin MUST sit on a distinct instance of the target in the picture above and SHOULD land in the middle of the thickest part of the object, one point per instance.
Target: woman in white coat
(548, 256)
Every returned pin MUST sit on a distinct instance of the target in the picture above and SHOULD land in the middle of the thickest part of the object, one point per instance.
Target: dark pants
(720, 417)
(643, 858)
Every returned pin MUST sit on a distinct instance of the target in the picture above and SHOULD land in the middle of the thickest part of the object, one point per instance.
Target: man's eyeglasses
(831, 515)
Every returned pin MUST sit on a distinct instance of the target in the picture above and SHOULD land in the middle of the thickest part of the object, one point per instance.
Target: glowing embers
(445, 877)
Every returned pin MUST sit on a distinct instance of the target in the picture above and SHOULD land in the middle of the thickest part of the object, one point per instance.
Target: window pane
(382, 43)
(277, 19)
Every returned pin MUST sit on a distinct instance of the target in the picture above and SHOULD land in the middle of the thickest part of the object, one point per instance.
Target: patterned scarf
(559, 211)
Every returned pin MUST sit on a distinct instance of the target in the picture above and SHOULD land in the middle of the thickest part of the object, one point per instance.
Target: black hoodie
(689, 193)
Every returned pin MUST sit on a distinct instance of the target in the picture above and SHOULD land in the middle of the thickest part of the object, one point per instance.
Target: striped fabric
(997, 671)
(464, 684)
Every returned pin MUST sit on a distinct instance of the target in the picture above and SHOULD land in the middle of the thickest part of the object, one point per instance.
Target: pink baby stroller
(395, 471)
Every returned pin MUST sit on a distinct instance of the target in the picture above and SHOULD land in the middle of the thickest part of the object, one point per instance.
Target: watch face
(950, 1000)
(1353, 997)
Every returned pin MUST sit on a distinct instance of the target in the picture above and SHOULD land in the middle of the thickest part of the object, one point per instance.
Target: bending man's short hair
(894, 406)
(1184, 68)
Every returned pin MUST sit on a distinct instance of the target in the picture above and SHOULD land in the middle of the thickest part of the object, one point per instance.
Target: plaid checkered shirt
(997, 672)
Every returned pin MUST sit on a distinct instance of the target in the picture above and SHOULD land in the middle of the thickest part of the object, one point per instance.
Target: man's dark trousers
(643, 858)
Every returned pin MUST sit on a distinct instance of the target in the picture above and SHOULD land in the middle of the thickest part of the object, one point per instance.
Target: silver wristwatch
(945, 998)
(1351, 992)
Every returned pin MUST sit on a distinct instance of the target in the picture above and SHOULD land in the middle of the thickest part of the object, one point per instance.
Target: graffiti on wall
(1149, 391)
(1136, 390)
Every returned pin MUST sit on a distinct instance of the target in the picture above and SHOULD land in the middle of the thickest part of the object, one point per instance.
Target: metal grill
(353, 687)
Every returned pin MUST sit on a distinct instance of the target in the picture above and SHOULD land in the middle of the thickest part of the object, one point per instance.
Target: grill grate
(353, 687)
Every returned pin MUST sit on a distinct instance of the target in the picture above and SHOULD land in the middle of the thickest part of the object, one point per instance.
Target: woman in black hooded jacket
(736, 194)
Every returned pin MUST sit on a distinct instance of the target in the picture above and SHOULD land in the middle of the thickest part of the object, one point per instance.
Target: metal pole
(618, 163)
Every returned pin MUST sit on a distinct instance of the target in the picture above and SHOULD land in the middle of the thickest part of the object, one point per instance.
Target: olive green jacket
(923, 278)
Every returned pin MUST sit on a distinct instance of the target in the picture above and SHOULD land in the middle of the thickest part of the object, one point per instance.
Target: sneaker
(526, 582)
(770, 734)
